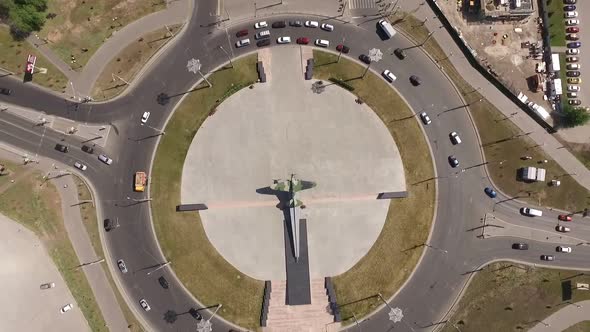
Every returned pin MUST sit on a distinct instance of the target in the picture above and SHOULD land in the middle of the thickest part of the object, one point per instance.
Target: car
(87, 149)
(105, 159)
(573, 73)
(572, 14)
(400, 53)
(572, 30)
(365, 58)
(575, 88)
(574, 80)
(453, 161)
(66, 308)
(47, 285)
(163, 282)
(572, 36)
(574, 44)
(569, 2)
(327, 27)
(572, 59)
(303, 40)
(572, 22)
(569, 8)
(144, 305)
(547, 258)
(283, 40)
(262, 34)
(322, 43)
(572, 51)
(572, 95)
(279, 24)
(564, 217)
(61, 148)
(297, 24)
(343, 48)
(573, 66)
(415, 80)
(260, 25)
(389, 75)
(145, 117)
(243, 43)
(264, 42)
(562, 229)
(312, 24)
(122, 266)
(242, 33)
(108, 225)
(574, 102)
(80, 166)
(5, 91)
(195, 313)
(454, 137)
(425, 118)
(563, 249)
(530, 212)
(520, 246)
(490, 192)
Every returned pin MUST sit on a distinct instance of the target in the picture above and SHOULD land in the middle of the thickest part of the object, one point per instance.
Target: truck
(140, 181)
(387, 28)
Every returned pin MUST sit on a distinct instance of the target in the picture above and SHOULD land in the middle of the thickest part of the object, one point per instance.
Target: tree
(574, 116)
(24, 16)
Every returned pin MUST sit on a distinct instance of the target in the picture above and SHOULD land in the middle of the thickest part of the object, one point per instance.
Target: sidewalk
(569, 315)
(103, 293)
(550, 145)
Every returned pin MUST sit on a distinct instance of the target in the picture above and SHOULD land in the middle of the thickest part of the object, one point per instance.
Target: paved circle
(282, 127)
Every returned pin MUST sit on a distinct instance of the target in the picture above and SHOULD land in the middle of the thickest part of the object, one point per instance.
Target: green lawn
(501, 144)
(388, 264)
(13, 57)
(84, 24)
(36, 205)
(196, 262)
(556, 22)
(580, 327)
(514, 297)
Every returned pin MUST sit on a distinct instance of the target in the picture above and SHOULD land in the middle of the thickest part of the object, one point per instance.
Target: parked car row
(263, 37)
(572, 66)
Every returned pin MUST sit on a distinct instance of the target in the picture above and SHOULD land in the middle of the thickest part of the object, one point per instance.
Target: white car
(312, 24)
(425, 118)
(284, 40)
(322, 43)
(562, 229)
(573, 66)
(66, 308)
(572, 22)
(80, 166)
(327, 27)
(145, 117)
(570, 14)
(260, 25)
(572, 51)
(563, 249)
(105, 159)
(573, 88)
(122, 266)
(145, 305)
(389, 76)
(242, 43)
(455, 139)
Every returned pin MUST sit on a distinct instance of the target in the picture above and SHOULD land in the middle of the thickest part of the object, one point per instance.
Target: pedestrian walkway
(570, 314)
(546, 141)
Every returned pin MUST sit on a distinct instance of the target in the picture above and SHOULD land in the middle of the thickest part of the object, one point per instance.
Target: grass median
(388, 263)
(35, 203)
(583, 326)
(502, 141)
(514, 297)
(556, 23)
(196, 262)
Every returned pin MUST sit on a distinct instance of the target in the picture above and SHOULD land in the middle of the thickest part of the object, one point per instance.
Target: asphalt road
(455, 250)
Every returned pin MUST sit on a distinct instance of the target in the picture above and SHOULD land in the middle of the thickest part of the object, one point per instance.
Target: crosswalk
(362, 4)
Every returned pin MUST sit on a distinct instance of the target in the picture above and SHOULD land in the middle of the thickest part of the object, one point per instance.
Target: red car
(242, 33)
(303, 40)
(572, 30)
(342, 48)
(564, 217)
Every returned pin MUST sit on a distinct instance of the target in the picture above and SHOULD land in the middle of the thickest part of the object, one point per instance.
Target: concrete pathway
(103, 293)
(569, 315)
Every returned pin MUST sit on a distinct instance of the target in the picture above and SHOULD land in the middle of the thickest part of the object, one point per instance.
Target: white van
(242, 43)
(387, 28)
(531, 212)
(322, 42)
(263, 34)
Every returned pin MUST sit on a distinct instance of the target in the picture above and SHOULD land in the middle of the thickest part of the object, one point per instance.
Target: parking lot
(583, 8)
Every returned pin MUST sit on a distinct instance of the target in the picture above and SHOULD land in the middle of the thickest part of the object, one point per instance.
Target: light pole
(194, 65)
(160, 132)
(159, 267)
(205, 325)
(356, 321)
(474, 102)
(340, 53)
(228, 57)
(448, 56)
(375, 55)
(139, 200)
(435, 248)
(427, 38)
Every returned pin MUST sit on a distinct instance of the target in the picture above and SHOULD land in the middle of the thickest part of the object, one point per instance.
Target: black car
(163, 282)
(415, 80)
(453, 161)
(263, 42)
(61, 148)
(343, 48)
(520, 246)
(87, 149)
(108, 225)
(297, 24)
(573, 73)
(365, 58)
(400, 53)
(279, 24)
(5, 91)
(195, 313)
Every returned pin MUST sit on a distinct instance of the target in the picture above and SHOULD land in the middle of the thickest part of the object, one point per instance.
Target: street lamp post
(375, 55)
(435, 248)
(159, 267)
(340, 53)
(356, 321)
(194, 65)
(139, 200)
(205, 325)
(228, 57)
